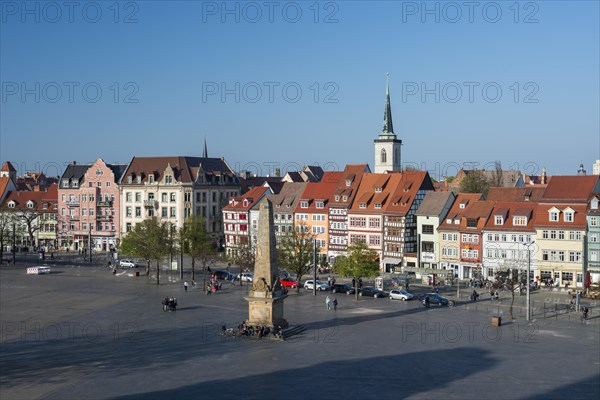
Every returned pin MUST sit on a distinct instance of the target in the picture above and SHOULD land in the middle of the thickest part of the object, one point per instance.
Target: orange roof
(8, 167)
(323, 190)
(394, 193)
(480, 210)
(461, 204)
(512, 194)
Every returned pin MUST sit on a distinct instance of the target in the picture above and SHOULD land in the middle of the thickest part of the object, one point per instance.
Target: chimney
(74, 163)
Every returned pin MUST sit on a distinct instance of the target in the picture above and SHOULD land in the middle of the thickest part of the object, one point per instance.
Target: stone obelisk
(265, 299)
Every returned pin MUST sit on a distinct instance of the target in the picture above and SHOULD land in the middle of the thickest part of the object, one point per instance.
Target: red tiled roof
(513, 209)
(323, 190)
(8, 167)
(456, 212)
(39, 199)
(513, 194)
(542, 218)
(571, 188)
(250, 197)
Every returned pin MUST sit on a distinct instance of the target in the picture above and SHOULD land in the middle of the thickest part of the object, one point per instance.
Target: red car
(288, 282)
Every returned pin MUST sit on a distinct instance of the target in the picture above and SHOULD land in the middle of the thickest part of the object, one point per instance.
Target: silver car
(400, 294)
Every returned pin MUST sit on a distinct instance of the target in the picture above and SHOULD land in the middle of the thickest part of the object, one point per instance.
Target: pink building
(88, 203)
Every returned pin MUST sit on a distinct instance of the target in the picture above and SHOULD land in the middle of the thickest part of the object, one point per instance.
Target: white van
(39, 270)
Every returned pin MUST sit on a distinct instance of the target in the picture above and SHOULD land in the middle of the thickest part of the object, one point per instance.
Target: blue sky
(293, 83)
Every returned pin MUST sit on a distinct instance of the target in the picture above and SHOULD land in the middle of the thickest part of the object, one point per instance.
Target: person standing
(185, 286)
(426, 301)
(334, 302)
(328, 303)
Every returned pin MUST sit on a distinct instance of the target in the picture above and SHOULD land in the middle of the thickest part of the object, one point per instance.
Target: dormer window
(348, 182)
(345, 198)
(75, 184)
(30, 204)
(471, 222)
(448, 221)
(553, 214)
(65, 183)
(337, 197)
(463, 205)
(11, 204)
(520, 221)
(129, 179)
(169, 179)
(569, 215)
(377, 190)
(320, 204)
(303, 204)
(362, 205)
(378, 205)
(151, 179)
(499, 220)
(138, 179)
(245, 203)
(594, 203)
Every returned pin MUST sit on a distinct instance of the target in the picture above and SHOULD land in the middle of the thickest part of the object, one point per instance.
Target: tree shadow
(587, 388)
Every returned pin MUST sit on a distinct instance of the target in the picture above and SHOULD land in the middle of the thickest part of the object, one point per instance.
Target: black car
(436, 299)
(343, 288)
(370, 291)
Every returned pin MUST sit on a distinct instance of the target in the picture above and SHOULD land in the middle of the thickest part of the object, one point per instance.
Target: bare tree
(474, 182)
(6, 221)
(295, 251)
(497, 179)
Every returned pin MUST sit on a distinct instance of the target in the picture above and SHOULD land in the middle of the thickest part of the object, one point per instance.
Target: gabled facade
(430, 214)
(284, 204)
(561, 226)
(6, 186)
(343, 196)
(449, 234)
(471, 239)
(312, 210)
(236, 219)
(173, 188)
(383, 214)
(592, 258)
(70, 233)
(89, 203)
(509, 239)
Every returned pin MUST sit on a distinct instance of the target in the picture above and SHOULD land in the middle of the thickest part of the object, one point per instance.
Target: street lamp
(528, 245)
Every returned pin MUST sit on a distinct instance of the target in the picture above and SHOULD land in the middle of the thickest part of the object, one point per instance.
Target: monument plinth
(265, 299)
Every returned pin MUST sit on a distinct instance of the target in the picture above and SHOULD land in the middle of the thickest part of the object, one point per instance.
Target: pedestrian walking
(334, 301)
(426, 301)
(185, 285)
(328, 303)
(329, 281)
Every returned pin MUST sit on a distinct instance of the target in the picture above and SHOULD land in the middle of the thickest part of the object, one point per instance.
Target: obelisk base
(265, 310)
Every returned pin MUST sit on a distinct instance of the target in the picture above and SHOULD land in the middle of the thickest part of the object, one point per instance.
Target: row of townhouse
(344, 207)
(553, 229)
(99, 203)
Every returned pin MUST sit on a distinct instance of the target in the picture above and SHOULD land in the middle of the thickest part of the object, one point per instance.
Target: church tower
(387, 145)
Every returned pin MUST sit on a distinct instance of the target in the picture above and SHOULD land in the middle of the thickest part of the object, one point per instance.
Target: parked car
(309, 285)
(222, 274)
(126, 263)
(400, 294)
(371, 291)
(435, 298)
(245, 277)
(288, 282)
(343, 288)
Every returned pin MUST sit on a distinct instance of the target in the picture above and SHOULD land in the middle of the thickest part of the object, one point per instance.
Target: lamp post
(528, 245)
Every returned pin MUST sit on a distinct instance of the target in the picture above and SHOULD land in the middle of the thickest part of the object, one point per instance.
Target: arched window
(383, 156)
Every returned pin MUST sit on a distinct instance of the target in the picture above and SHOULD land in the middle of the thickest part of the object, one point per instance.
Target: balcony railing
(73, 203)
(151, 204)
(104, 203)
(104, 218)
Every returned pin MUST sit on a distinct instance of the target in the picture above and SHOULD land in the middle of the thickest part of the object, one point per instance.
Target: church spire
(205, 153)
(388, 128)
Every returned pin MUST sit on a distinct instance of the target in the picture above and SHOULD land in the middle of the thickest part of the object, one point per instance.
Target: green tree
(360, 262)
(474, 182)
(295, 252)
(149, 240)
(199, 244)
